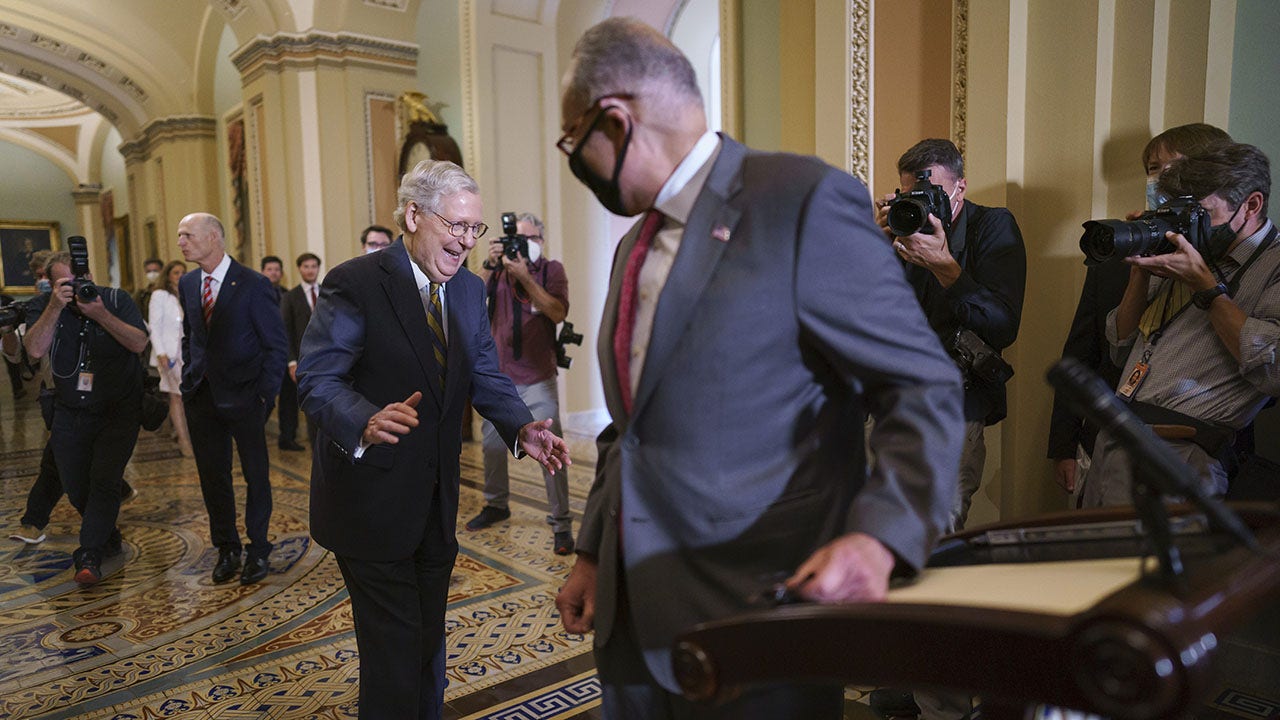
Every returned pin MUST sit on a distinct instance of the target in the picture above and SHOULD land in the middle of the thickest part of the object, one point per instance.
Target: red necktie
(627, 304)
(206, 298)
(313, 298)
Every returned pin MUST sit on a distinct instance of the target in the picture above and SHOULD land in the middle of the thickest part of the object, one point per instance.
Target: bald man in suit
(233, 359)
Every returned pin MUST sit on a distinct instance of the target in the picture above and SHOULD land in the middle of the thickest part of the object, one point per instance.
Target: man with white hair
(398, 342)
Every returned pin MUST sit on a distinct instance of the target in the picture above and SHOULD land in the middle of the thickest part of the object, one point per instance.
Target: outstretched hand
(537, 440)
(392, 421)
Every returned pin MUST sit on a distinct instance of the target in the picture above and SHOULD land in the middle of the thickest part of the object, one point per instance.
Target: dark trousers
(288, 410)
(398, 608)
(46, 491)
(631, 693)
(15, 378)
(211, 436)
(91, 450)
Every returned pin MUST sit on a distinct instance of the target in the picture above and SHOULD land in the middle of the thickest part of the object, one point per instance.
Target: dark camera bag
(155, 404)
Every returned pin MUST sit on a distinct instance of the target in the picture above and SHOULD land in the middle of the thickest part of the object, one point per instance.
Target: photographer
(969, 270)
(1198, 327)
(92, 336)
(528, 295)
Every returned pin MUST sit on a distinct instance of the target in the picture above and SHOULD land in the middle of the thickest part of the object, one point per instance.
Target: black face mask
(1221, 237)
(606, 191)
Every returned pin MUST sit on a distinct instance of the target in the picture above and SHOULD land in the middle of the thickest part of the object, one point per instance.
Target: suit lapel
(226, 295)
(454, 306)
(406, 303)
(705, 238)
(609, 324)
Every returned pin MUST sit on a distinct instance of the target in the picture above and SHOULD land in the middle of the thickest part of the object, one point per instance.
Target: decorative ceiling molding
(87, 193)
(308, 50)
(169, 129)
(230, 8)
(70, 53)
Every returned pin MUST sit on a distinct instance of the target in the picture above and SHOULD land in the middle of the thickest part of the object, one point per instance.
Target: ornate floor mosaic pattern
(156, 639)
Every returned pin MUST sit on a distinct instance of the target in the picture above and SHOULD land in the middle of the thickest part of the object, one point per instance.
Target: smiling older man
(398, 341)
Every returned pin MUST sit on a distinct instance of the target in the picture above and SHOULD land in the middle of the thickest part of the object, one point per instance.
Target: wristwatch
(1204, 298)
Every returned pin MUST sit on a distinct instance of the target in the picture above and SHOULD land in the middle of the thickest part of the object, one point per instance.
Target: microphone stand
(1157, 471)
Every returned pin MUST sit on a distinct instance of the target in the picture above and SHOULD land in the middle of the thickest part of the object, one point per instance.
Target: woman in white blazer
(165, 320)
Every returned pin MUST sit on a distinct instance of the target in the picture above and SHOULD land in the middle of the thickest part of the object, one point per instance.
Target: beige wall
(1057, 136)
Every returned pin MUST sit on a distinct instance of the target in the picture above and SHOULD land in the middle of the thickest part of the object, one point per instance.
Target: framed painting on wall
(19, 240)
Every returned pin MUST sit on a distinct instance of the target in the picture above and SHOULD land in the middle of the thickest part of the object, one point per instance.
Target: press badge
(85, 383)
(1136, 377)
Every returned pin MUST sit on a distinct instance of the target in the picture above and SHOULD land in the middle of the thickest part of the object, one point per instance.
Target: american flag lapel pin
(721, 233)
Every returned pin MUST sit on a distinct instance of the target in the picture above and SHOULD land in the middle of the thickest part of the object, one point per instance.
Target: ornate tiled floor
(156, 639)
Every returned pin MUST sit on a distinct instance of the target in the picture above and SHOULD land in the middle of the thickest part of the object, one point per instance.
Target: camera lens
(1106, 239)
(908, 216)
(86, 292)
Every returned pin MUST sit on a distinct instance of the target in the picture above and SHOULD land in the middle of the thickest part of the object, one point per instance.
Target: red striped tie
(206, 299)
(627, 305)
(313, 298)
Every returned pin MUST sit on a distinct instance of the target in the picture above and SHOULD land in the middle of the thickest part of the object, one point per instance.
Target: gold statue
(414, 107)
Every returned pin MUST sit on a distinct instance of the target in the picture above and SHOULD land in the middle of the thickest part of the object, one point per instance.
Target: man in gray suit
(754, 317)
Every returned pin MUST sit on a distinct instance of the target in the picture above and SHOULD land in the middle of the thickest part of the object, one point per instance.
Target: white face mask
(371, 249)
(152, 275)
(535, 251)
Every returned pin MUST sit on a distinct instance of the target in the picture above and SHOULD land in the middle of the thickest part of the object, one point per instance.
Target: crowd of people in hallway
(739, 364)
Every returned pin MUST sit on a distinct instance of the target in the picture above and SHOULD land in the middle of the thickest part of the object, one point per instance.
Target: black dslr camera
(14, 313)
(567, 337)
(909, 211)
(1105, 240)
(978, 360)
(85, 290)
(514, 245)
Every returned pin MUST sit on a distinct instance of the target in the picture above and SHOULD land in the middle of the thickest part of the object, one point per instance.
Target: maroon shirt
(537, 333)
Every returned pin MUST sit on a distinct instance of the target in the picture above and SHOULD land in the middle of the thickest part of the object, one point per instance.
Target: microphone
(1087, 395)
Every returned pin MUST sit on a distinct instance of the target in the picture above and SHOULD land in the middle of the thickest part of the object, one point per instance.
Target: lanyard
(1233, 284)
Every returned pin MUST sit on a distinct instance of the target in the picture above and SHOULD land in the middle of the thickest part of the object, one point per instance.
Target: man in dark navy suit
(398, 342)
(233, 357)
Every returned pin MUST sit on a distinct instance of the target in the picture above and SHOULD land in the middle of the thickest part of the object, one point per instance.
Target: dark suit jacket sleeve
(183, 289)
(875, 338)
(492, 393)
(269, 326)
(987, 297)
(290, 328)
(1083, 344)
(331, 346)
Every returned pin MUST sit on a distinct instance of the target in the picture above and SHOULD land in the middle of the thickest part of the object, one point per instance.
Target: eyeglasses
(459, 228)
(567, 144)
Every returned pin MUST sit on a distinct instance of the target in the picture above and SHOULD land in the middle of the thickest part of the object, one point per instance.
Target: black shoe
(227, 567)
(488, 516)
(893, 703)
(89, 567)
(114, 546)
(291, 446)
(564, 542)
(255, 569)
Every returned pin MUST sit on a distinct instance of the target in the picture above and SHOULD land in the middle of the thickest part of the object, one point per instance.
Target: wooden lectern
(1063, 610)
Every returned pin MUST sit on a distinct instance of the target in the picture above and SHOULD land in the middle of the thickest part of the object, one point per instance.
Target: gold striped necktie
(1171, 298)
(435, 318)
